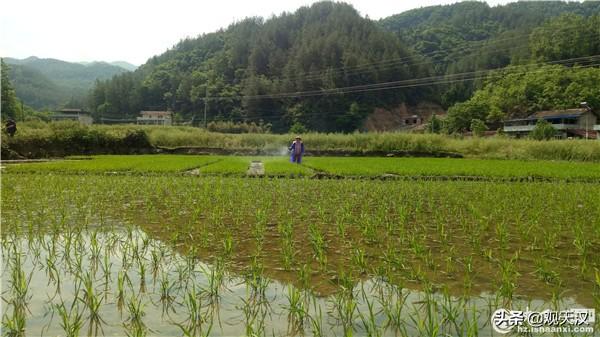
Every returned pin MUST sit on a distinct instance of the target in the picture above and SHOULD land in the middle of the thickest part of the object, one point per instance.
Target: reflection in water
(123, 282)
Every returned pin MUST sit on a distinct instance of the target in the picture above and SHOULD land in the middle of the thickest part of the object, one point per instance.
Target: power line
(390, 83)
(466, 46)
(591, 61)
(343, 113)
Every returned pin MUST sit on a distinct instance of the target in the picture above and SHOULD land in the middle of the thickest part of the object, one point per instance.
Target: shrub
(136, 139)
(543, 131)
(478, 127)
(298, 128)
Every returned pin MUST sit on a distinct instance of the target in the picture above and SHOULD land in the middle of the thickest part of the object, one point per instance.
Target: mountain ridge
(49, 83)
(267, 69)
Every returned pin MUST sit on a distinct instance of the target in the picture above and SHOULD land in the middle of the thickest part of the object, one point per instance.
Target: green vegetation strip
(238, 166)
(415, 167)
(118, 163)
(39, 140)
(323, 166)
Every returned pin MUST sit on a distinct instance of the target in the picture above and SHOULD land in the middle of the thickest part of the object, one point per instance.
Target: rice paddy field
(191, 246)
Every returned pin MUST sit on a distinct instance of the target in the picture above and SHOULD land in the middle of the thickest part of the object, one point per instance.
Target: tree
(517, 92)
(350, 120)
(251, 61)
(478, 127)
(461, 115)
(435, 125)
(543, 130)
(9, 104)
(297, 128)
(568, 36)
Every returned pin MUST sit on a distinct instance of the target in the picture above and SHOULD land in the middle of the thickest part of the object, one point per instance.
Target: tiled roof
(590, 133)
(558, 113)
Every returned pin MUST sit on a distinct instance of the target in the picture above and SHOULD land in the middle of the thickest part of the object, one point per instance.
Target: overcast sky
(135, 30)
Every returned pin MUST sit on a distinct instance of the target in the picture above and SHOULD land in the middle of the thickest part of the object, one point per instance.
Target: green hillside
(50, 83)
(470, 36)
(320, 47)
(286, 70)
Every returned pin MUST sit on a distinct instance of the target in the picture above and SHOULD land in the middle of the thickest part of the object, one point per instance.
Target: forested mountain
(122, 64)
(50, 83)
(313, 49)
(281, 70)
(471, 36)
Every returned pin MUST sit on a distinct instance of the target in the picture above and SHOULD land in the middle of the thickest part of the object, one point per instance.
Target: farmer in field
(297, 150)
(11, 127)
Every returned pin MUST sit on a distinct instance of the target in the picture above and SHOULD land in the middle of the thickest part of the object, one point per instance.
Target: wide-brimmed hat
(298, 137)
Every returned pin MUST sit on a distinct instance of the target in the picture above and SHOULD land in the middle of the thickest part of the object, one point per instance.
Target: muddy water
(178, 293)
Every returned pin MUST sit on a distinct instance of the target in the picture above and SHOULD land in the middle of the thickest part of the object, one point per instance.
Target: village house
(72, 115)
(155, 117)
(569, 123)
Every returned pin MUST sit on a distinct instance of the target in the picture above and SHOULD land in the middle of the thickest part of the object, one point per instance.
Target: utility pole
(589, 109)
(205, 106)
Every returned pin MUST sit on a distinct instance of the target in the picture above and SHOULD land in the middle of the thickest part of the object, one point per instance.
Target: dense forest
(326, 68)
(472, 36)
(321, 47)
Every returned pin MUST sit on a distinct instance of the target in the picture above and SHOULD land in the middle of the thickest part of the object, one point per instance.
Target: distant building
(570, 123)
(155, 117)
(72, 115)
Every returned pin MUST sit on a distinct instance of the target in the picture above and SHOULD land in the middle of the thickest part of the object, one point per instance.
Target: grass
(283, 167)
(119, 163)
(227, 166)
(47, 139)
(453, 167)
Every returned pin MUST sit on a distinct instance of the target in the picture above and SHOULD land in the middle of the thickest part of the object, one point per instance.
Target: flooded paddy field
(172, 255)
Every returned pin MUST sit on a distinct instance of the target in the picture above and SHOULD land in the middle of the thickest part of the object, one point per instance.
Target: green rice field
(163, 245)
(333, 166)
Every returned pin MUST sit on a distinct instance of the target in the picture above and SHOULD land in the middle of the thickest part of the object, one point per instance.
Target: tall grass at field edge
(68, 138)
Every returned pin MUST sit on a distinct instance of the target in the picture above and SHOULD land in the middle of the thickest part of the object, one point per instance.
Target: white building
(576, 123)
(72, 115)
(155, 117)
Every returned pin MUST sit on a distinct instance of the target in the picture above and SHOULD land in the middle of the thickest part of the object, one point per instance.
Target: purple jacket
(293, 150)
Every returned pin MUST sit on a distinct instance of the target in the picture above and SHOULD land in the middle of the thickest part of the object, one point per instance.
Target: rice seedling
(345, 309)
(92, 302)
(134, 324)
(317, 241)
(71, 319)
(196, 320)
(508, 278)
(204, 241)
(296, 308)
(122, 280)
(19, 295)
(368, 319)
(255, 310)
(545, 273)
(316, 321)
(359, 260)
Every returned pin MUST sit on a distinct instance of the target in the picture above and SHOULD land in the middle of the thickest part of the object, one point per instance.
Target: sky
(135, 30)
